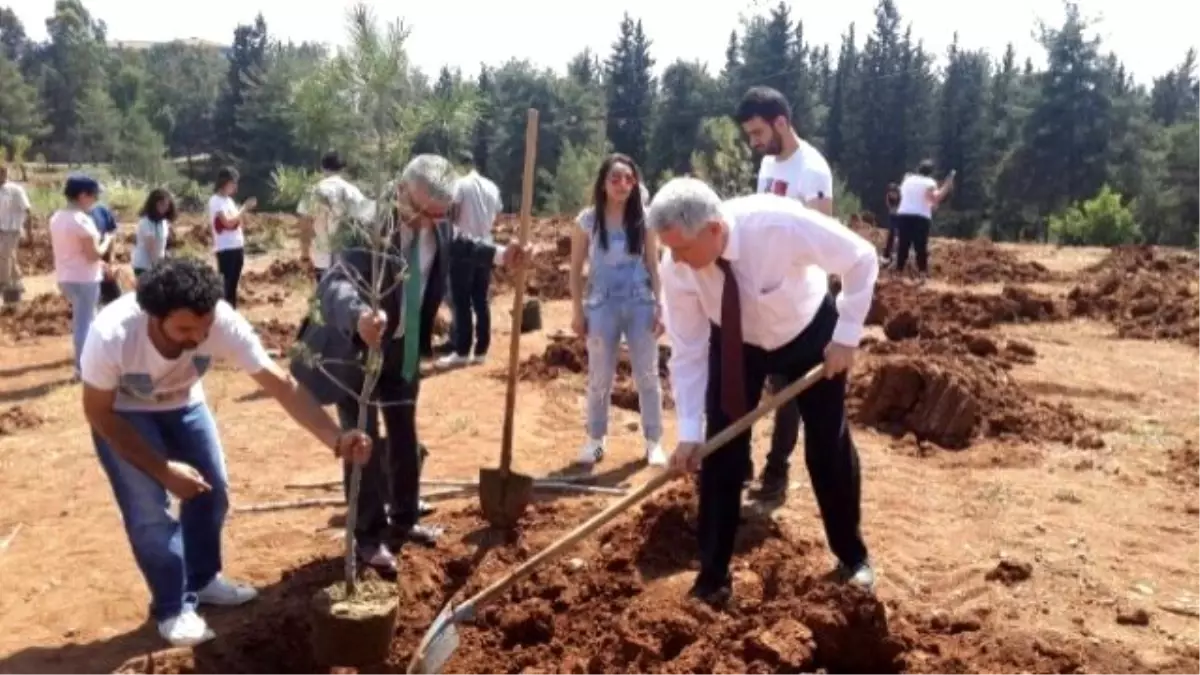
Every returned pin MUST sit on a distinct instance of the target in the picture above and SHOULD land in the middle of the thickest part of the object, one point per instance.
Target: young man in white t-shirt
(226, 220)
(791, 167)
(14, 218)
(332, 198)
(142, 363)
(920, 194)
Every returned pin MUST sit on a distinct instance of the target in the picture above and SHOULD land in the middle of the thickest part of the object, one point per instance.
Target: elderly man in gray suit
(347, 326)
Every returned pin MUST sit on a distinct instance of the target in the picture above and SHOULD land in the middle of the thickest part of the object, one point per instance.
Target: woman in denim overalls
(621, 298)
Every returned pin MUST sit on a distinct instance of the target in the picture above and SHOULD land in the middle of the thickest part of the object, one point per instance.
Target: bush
(1100, 221)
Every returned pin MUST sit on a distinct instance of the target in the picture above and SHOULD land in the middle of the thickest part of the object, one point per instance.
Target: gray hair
(433, 173)
(686, 203)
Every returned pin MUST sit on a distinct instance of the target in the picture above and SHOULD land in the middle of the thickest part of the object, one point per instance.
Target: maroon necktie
(733, 377)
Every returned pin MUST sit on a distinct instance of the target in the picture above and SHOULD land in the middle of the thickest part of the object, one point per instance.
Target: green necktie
(412, 309)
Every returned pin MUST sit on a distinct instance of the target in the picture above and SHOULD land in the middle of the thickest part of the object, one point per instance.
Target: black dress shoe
(717, 597)
(772, 490)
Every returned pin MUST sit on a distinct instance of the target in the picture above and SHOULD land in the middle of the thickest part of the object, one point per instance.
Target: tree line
(1031, 146)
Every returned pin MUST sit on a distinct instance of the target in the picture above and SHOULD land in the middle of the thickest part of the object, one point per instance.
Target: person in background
(621, 299)
(229, 239)
(107, 223)
(891, 200)
(78, 248)
(153, 229)
(156, 438)
(389, 501)
(920, 194)
(14, 218)
(727, 336)
(791, 167)
(473, 216)
(332, 198)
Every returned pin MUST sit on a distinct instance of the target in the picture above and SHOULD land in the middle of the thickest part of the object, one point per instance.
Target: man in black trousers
(746, 296)
(336, 346)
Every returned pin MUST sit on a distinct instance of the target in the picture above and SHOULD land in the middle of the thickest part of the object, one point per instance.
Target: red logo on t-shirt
(779, 187)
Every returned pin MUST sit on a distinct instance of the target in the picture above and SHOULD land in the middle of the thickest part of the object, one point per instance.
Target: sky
(465, 33)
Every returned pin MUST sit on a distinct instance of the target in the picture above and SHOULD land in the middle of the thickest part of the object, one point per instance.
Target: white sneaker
(186, 630)
(224, 593)
(451, 361)
(655, 456)
(592, 451)
(477, 359)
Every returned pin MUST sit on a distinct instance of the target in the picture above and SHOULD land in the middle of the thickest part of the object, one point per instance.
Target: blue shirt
(104, 219)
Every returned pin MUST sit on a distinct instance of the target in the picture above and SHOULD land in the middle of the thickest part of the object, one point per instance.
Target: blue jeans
(85, 300)
(177, 557)
(606, 323)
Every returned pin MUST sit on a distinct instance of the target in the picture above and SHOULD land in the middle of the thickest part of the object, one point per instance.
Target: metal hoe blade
(438, 643)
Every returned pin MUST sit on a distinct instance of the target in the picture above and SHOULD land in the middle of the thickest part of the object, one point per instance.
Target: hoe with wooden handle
(441, 639)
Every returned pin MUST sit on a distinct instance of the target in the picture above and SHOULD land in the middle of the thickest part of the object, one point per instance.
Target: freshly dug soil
(282, 271)
(619, 603)
(568, 355)
(979, 261)
(47, 314)
(906, 311)
(354, 631)
(277, 336)
(951, 398)
(1149, 294)
(17, 419)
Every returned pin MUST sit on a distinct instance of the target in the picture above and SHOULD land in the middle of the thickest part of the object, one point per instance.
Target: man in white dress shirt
(746, 295)
(791, 167)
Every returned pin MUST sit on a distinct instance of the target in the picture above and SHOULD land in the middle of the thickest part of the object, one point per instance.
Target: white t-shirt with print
(805, 175)
(72, 233)
(14, 204)
(118, 355)
(229, 239)
(333, 197)
(914, 196)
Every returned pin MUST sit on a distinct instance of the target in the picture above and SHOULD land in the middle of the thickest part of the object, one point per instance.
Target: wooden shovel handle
(600, 519)
(514, 346)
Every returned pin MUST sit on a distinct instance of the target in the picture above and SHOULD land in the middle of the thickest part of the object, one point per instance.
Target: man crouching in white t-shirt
(142, 363)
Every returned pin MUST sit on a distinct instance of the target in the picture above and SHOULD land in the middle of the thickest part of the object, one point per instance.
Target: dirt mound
(909, 311)
(36, 257)
(17, 419)
(979, 261)
(952, 398)
(548, 277)
(46, 314)
(281, 271)
(277, 336)
(619, 604)
(568, 354)
(1184, 464)
(1147, 293)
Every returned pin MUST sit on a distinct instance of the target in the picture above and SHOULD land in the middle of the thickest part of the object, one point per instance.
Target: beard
(775, 146)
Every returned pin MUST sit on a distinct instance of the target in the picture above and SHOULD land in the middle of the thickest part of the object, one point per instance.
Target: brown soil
(952, 397)
(907, 311)
(276, 335)
(45, 314)
(549, 277)
(1185, 464)
(568, 354)
(979, 261)
(284, 272)
(16, 419)
(1147, 293)
(617, 608)
(36, 257)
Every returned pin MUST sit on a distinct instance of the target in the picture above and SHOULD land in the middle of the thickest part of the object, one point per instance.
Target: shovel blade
(437, 645)
(504, 496)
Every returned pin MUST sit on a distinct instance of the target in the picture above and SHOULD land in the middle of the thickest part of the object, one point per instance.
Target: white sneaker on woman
(591, 452)
(188, 629)
(655, 455)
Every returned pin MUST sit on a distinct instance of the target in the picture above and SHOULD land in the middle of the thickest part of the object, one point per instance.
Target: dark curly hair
(179, 283)
(150, 208)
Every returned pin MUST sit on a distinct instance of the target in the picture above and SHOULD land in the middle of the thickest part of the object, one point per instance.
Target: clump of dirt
(17, 418)
(1147, 293)
(47, 314)
(951, 395)
(905, 311)
(979, 261)
(277, 336)
(281, 271)
(568, 354)
(620, 605)
(1185, 463)
(548, 276)
(36, 257)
